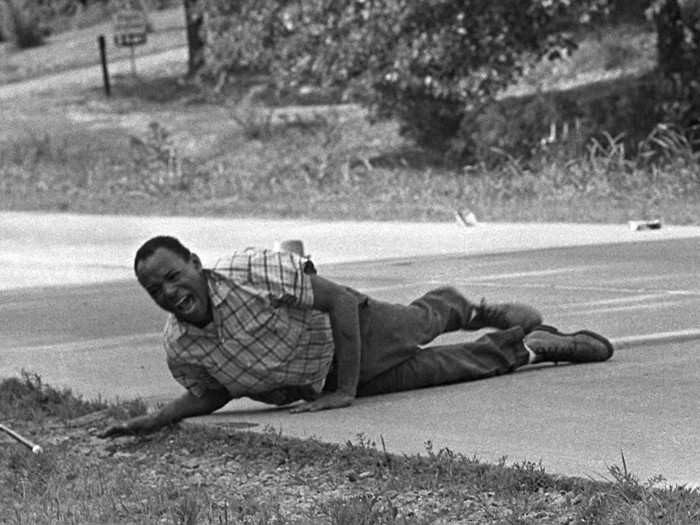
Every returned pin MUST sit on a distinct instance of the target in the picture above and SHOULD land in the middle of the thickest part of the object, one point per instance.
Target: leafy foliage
(426, 62)
(22, 22)
(678, 28)
(28, 398)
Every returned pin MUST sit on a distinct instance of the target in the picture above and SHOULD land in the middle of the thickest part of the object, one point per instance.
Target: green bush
(513, 127)
(678, 44)
(23, 23)
(439, 66)
(629, 11)
(567, 121)
(239, 39)
(427, 63)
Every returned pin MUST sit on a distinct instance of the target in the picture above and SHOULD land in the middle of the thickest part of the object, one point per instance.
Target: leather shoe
(584, 346)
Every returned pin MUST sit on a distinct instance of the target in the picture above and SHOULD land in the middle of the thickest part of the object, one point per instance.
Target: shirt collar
(219, 287)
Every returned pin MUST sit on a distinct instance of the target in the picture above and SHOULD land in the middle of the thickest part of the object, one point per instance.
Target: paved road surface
(576, 419)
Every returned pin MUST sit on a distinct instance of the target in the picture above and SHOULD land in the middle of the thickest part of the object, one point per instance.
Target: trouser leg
(493, 354)
(392, 336)
(392, 333)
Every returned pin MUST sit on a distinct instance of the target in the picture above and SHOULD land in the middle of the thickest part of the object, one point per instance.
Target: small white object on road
(645, 225)
(465, 218)
(36, 449)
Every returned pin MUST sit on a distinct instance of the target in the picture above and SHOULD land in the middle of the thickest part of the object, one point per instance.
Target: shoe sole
(598, 337)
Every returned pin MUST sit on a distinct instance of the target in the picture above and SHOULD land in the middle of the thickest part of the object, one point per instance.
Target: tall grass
(339, 167)
(28, 398)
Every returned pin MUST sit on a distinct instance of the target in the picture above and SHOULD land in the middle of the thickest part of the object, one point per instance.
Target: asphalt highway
(103, 339)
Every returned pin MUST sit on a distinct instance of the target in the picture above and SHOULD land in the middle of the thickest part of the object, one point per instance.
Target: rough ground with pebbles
(227, 473)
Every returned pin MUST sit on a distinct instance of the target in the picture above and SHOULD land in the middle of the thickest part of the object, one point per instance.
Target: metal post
(103, 59)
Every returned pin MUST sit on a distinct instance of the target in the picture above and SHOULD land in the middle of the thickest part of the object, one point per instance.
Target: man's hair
(161, 241)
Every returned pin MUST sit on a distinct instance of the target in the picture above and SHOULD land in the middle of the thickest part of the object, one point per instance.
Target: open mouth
(185, 304)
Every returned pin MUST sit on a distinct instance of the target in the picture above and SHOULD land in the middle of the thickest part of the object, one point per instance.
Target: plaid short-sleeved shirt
(265, 333)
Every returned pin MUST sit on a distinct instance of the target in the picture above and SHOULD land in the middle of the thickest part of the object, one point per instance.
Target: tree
(678, 44)
(22, 22)
(427, 63)
(194, 20)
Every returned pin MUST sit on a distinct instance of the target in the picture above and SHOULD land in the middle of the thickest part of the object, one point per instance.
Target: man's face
(177, 285)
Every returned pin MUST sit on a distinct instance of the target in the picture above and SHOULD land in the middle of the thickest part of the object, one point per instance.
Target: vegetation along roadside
(193, 473)
(163, 144)
(167, 145)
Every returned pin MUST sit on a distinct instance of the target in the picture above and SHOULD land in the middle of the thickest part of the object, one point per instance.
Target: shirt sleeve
(194, 378)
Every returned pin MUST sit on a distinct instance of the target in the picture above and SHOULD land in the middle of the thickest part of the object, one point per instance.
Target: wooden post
(103, 60)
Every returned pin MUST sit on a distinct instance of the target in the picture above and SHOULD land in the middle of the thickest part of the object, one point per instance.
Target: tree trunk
(195, 39)
(670, 36)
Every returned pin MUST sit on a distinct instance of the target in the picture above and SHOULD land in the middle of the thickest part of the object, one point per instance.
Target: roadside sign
(130, 27)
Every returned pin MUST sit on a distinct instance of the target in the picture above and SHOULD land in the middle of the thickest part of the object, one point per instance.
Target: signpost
(130, 27)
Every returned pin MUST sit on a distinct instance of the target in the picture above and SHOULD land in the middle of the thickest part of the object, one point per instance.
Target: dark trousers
(393, 335)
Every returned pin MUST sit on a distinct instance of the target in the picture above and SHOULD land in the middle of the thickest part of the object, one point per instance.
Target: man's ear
(196, 261)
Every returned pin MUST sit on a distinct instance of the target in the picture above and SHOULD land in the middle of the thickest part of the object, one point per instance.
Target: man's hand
(186, 405)
(326, 401)
(343, 311)
(137, 425)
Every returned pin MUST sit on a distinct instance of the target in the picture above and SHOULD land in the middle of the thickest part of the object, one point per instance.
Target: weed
(255, 119)
(366, 510)
(156, 166)
(28, 398)
(188, 509)
(626, 484)
(126, 409)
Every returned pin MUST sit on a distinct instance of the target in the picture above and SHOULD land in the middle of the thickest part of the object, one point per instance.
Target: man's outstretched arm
(341, 307)
(187, 405)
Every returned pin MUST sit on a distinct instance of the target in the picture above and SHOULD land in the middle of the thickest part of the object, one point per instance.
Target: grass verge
(142, 153)
(159, 146)
(191, 474)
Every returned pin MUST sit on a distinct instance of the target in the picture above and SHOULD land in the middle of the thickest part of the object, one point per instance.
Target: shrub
(23, 23)
(678, 44)
(629, 11)
(239, 39)
(534, 124)
(426, 62)
(516, 126)
(27, 397)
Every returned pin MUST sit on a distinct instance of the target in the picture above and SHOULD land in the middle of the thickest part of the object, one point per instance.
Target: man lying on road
(262, 324)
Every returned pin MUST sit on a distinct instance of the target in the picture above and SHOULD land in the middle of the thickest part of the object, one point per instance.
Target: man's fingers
(312, 406)
(316, 406)
(304, 407)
